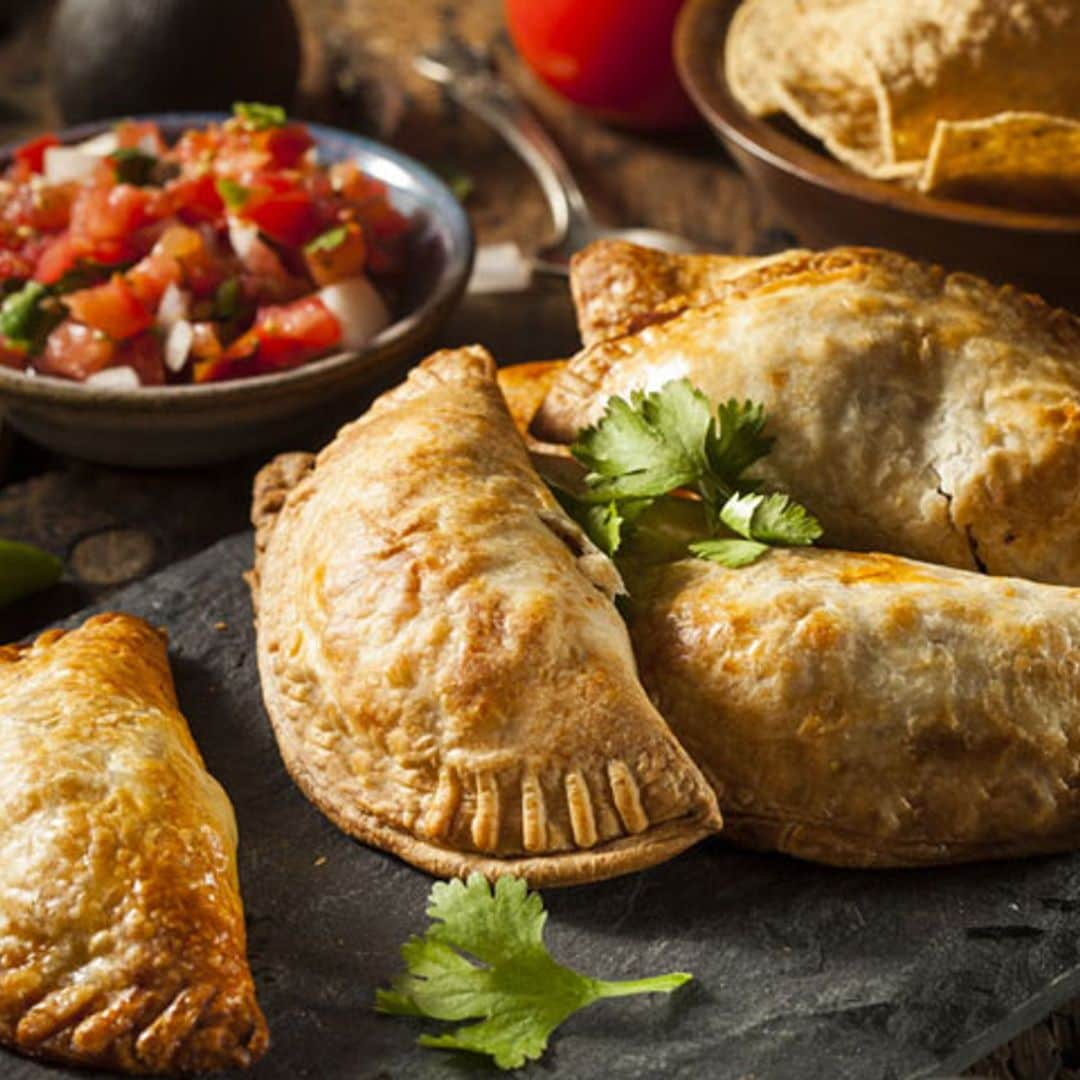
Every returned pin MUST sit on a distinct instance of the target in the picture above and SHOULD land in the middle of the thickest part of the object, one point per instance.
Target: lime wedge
(25, 569)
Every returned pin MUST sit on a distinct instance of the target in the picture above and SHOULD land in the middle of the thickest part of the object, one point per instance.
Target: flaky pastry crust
(122, 940)
(620, 288)
(442, 662)
(867, 710)
(928, 414)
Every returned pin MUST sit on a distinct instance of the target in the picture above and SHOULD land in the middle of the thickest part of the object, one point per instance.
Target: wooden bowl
(825, 203)
(166, 426)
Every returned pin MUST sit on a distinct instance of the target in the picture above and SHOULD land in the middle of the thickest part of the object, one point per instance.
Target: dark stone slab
(801, 971)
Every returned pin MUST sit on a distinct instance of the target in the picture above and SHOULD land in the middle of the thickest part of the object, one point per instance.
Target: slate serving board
(801, 971)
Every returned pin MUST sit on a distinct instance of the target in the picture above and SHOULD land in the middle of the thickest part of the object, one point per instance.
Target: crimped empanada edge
(656, 844)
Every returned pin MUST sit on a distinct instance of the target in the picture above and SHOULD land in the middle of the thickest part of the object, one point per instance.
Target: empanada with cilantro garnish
(926, 414)
(445, 670)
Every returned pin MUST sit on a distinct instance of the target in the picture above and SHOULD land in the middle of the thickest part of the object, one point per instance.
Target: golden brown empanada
(866, 710)
(524, 386)
(445, 670)
(926, 414)
(620, 288)
(121, 926)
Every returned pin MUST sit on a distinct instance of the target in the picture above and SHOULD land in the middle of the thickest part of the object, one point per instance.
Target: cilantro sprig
(484, 958)
(256, 116)
(672, 439)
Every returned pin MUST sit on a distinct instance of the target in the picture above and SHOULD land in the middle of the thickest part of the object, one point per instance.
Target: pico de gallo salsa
(125, 261)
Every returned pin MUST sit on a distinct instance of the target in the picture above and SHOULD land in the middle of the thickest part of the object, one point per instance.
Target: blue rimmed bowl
(169, 426)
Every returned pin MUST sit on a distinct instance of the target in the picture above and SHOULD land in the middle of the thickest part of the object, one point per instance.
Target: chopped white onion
(100, 145)
(500, 268)
(356, 304)
(178, 345)
(65, 163)
(115, 378)
(242, 236)
(175, 305)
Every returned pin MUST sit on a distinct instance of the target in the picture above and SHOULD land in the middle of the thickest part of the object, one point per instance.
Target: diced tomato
(241, 360)
(288, 144)
(205, 343)
(12, 354)
(57, 259)
(15, 264)
(112, 308)
(39, 207)
(74, 351)
(151, 276)
(146, 135)
(196, 149)
(195, 198)
(202, 270)
(285, 216)
(31, 155)
(333, 261)
(146, 355)
(305, 326)
(284, 336)
(67, 251)
(113, 213)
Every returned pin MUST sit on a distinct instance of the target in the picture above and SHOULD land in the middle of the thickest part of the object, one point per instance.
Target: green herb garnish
(234, 195)
(27, 316)
(227, 298)
(83, 274)
(330, 240)
(656, 443)
(25, 569)
(133, 166)
(259, 117)
(484, 959)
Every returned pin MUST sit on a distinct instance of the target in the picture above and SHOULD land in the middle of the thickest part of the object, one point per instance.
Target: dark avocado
(123, 57)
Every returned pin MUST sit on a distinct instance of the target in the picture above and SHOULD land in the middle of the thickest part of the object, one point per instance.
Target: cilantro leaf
(259, 117)
(133, 166)
(330, 240)
(27, 316)
(771, 519)
(647, 447)
(737, 439)
(227, 298)
(603, 522)
(730, 553)
(517, 992)
(234, 195)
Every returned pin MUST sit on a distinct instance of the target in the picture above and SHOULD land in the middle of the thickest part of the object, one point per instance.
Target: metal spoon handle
(471, 82)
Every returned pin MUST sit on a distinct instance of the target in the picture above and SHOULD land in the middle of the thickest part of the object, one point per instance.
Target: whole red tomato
(611, 56)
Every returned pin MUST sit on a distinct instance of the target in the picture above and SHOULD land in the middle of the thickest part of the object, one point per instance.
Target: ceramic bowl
(825, 203)
(171, 426)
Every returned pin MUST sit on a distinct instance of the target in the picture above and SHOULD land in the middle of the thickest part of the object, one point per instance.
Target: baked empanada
(619, 288)
(930, 415)
(442, 662)
(122, 939)
(866, 710)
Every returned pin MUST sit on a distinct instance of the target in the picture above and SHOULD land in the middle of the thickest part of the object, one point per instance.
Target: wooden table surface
(114, 526)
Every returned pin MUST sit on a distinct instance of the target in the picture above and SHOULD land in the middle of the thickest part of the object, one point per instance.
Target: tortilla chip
(969, 59)
(1026, 160)
(802, 58)
(872, 78)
